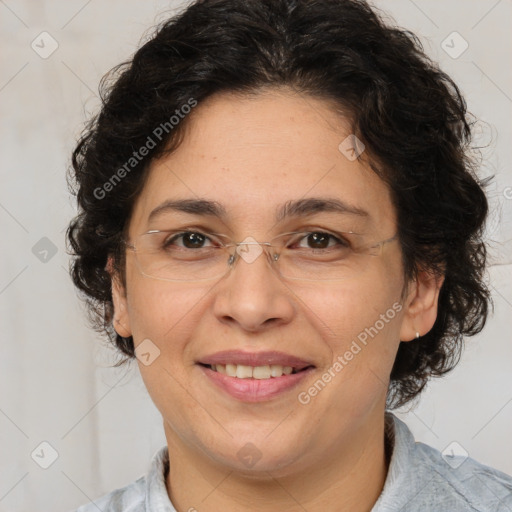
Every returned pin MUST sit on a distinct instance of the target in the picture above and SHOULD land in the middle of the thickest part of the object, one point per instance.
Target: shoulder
(421, 478)
(465, 481)
(130, 498)
(146, 494)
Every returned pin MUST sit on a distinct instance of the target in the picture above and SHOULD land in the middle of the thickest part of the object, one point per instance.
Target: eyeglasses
(304, 256)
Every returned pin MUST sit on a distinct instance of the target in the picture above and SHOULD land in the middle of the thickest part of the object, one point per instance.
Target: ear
(121, 316)
(421, 305)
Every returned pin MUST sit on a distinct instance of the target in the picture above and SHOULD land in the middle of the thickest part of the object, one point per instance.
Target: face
(253, 155)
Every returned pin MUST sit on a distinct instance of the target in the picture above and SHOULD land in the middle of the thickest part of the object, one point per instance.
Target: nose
(252, 295)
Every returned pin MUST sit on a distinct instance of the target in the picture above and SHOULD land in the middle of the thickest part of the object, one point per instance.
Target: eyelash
(341, 241)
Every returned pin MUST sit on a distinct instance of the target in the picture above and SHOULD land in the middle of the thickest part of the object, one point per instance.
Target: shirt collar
(157, 499)
(399, 487)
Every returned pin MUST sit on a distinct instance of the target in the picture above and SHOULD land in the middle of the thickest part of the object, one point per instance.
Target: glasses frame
(235, 256)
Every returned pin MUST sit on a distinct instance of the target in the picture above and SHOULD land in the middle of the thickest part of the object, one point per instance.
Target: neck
(350, 477)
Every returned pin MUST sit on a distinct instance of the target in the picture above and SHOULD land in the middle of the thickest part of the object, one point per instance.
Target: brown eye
(318, 240)
(321, 240)
(190, 240)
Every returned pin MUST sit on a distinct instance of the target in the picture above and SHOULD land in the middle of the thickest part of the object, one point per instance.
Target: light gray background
(55, 383)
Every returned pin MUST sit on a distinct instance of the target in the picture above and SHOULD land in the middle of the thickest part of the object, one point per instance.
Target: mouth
(241, 371)
(254, 377)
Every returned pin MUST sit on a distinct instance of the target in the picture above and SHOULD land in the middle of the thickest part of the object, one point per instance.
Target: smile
(256, 384)
(241, 371)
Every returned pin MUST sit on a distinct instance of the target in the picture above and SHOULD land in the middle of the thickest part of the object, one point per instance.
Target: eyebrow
(292, 208)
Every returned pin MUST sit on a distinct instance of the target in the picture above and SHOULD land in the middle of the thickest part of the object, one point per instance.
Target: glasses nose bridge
(252, 253)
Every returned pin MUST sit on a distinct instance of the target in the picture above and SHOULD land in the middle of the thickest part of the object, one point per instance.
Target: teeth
(242, 371)
(261, 372)
(277, 370)
(221, 368)
(230, 369)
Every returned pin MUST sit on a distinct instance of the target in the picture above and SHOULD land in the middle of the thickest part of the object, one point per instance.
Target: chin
(252, 462)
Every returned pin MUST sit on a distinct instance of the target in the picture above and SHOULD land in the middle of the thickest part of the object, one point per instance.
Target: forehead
(252, 155)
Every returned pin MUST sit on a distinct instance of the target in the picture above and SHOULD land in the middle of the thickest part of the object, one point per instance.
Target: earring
(417, 334)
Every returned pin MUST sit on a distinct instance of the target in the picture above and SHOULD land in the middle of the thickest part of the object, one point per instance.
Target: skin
(252, 154)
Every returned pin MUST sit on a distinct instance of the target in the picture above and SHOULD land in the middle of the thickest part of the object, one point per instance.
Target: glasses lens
(308, 256)
(322, 256)
(184, 256)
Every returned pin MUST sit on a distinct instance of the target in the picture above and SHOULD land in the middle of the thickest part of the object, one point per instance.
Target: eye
(190, 240)
(321, 240)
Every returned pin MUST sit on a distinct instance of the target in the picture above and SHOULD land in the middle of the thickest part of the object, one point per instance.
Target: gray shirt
(419, 478)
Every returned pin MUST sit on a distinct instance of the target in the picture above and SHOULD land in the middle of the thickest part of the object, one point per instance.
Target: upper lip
(255, 359)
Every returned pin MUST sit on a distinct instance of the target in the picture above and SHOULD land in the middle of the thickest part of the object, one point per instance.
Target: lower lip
(255, 390)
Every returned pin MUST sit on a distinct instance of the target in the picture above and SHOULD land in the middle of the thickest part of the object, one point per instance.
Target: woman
(279, 218)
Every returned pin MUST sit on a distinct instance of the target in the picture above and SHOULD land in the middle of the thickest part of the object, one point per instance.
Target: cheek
(344, 310)
(166, 314)
(359, 324)
(163, 312)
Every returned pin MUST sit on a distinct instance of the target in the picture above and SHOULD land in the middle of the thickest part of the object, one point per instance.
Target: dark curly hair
(409, 114)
